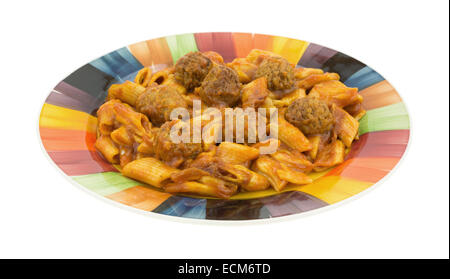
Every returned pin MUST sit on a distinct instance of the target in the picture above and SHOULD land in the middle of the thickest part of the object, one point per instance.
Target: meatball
(174, 154)
(221, 87)
(278, 72)
(191, 69)
(157, 103)
(311, 116)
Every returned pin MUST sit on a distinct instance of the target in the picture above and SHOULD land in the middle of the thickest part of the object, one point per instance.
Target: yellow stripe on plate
(63, 118)
(290, 49)
(332, 189)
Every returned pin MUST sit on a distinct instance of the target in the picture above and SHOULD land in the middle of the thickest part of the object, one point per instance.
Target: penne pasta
(106, 117)
(356, 110)
(122, 136)
(346, 127)
(138, 122)
(127, 92)
(253, 181)
(331, 155)
(161, 76)
(146, 147)
(301, 73)
(126, 155)
(171, 82)
(254, 93)
(245, 69)
(257, 55)
(107, 147)
(289, 98)
(149, 170)
(214, 188)
(291, 136)
(293, 159)
(143, 77)
(312, 80)
(268, 167)
(233, 153)
(335, 92)
(294, 177)
(315, 143)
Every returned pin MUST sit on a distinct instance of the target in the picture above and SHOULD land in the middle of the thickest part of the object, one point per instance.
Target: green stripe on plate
(392, 117)
(105, 183)
(179, 45)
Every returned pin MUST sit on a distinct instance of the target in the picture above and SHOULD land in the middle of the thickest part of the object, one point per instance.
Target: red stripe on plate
(62, 139)
(365, 169)
(221, 43)
(380, 144)
(80, 162)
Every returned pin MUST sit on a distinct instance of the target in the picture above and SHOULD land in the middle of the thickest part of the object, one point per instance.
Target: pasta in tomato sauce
(315, 124)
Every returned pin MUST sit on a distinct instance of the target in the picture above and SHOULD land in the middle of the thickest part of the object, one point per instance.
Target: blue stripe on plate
(183, 207)
(364, 78)
(119, 64)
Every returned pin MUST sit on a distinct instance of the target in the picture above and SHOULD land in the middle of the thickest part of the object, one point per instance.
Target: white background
(43, 215)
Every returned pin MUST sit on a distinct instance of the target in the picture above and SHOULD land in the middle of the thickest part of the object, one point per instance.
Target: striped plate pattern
(68, 124)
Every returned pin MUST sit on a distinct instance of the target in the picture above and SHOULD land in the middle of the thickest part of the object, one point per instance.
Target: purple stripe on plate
(291, 203)
(68, 96)
(315, 56)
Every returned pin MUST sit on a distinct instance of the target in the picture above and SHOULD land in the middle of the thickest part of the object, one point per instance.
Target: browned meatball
(191, 69)
(157, 103)
(221, 87)
(174, 154)
(278, 72)
(310, 115)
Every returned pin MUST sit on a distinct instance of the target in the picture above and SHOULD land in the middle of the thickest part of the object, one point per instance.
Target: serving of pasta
(310, 118)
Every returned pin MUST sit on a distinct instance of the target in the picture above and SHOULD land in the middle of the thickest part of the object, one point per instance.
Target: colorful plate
(67, 128)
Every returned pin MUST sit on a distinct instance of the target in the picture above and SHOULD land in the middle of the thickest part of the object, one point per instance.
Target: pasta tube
(301, 73)
(161, 76)
(209, 186)
(126, 155)
(254, 93)
(143, 77)
(233, 153)
(171, 82)
(122, 136)
(289, 98)
(346, 127)
(148, 170)
(331, 155)
(109, 150)
(335, 92)
(291, 136)
(127, 92)
(106, 117)
(312, 80)
(244, 69)
(268, 167)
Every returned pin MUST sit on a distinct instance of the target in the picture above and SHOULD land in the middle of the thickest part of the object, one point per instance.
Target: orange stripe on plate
(63, 118)
(379, 95)
(332, 189)
(245, 42)
(365, 169)
(290, 49)
(59, 139)
(140, 197)
(152, 52)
